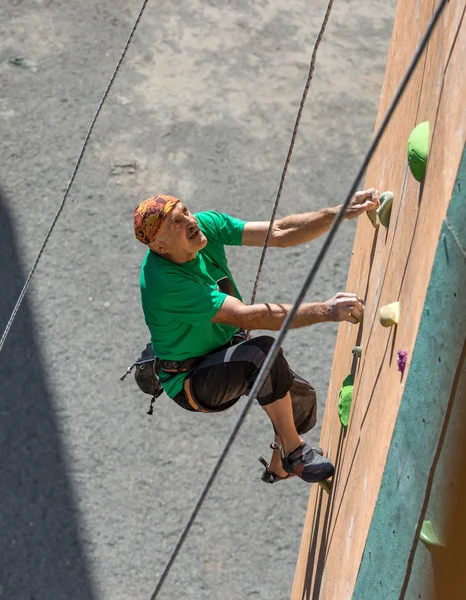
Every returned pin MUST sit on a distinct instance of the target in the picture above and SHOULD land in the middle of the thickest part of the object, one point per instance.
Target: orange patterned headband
(149, 216)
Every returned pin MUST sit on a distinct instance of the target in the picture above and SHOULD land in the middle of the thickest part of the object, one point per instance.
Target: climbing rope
(265, 370)
(290, 149)
(243, 414)
(68, 187)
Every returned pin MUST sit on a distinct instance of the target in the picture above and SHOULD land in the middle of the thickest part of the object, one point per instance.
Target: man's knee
(279, 379)
(263, 345)
(264, 342)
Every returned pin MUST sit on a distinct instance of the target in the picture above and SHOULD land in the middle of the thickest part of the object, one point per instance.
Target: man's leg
(286, 436)
(281, 415)
(304, 405)
(275, 464)
(225, 375)
(298, 458)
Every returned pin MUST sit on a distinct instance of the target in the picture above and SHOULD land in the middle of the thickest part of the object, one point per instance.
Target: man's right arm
(270, 316)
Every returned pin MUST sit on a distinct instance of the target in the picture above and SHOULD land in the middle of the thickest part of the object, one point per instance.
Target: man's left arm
(298, 229)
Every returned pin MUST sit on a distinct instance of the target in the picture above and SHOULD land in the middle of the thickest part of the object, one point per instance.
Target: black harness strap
(182, 366)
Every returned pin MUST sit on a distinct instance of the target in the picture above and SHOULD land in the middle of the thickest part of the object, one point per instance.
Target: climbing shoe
(269, 476)
(309, 465)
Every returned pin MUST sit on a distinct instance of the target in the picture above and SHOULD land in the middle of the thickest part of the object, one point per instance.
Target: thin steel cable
(265, 370)
(290, 150)
(78, 163)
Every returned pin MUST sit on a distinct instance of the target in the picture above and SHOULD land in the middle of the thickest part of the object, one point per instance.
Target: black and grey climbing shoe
(269, 476)
(309, 465)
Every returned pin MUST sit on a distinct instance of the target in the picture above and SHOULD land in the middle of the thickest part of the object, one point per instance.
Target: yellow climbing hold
(390, 314)
(326, 485)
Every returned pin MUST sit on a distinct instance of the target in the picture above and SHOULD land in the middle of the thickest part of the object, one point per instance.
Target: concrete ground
(93, 492)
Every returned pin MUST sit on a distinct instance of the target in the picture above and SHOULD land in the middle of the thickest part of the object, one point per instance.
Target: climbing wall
(361, 540)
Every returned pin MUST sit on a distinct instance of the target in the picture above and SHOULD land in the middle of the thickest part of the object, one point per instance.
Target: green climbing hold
(385, 209)
(326, 485)
(418, 150)
(429, 538)
(344, 403)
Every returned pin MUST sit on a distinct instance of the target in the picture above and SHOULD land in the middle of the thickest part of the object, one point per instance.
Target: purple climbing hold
(402, 357)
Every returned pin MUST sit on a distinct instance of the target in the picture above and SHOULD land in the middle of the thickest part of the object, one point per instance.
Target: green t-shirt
(179, 301)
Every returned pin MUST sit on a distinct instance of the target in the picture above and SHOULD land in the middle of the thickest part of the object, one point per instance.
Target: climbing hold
(344, 402)
(390, 314)
(374, 217)
(357, 351)
(401, 360)
(418, 150)
(385, 209)
(429, 538)
(326, 485)
(358, 319)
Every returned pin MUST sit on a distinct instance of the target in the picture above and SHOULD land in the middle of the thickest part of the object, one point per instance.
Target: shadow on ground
(41, 554)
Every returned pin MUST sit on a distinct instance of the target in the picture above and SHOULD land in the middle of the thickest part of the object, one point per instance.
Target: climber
(196, 319)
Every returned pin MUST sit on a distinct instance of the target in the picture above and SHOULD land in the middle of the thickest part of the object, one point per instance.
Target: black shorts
(223, 377)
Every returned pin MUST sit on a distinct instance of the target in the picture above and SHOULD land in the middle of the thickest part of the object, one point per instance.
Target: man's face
(180, 234)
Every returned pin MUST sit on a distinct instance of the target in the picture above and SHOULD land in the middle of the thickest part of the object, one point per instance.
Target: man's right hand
(342, 307)
(345, 307)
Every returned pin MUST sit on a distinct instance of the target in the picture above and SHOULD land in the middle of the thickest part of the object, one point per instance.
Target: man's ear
(158, 247)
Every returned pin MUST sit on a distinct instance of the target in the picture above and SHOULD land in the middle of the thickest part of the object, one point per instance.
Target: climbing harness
(182, 366)
(148, 367)
(147, 375)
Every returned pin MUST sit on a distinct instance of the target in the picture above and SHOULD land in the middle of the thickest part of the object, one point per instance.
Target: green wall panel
(424, 573)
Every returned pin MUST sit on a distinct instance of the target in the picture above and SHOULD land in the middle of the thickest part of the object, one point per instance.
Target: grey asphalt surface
(93, 492)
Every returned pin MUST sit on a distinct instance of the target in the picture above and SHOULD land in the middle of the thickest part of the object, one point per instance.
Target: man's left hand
(361, 202)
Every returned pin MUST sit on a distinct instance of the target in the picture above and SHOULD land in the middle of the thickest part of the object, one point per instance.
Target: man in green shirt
(195, 314)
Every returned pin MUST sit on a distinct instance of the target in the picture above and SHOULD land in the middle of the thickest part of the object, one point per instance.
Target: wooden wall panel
(387, 265)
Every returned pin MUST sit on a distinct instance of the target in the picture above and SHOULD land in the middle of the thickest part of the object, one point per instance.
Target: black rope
(265, 370)
(78, 163)
(290, 149)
